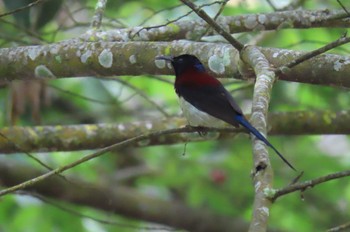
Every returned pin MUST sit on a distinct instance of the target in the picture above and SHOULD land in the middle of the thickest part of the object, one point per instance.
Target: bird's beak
(167, 58)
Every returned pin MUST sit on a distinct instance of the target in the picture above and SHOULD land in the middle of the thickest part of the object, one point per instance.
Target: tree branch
(120, 200)
(94, 136)
(340, 228)
(308, 184)
(201, 13)
(309, 55)
(21, 8)
(263, 177)
(176, 29)
(98, 153)
(68, 59)
(99, 11)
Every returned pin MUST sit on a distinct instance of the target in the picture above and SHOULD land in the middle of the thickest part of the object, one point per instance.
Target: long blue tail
(241, 120)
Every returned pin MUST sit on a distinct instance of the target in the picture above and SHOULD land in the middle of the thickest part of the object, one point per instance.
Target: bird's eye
(199, 67)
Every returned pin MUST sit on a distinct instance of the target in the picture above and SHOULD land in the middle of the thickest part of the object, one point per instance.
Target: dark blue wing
(215, 101)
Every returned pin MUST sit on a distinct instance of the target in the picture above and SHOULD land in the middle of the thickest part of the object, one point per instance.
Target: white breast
(196, 117)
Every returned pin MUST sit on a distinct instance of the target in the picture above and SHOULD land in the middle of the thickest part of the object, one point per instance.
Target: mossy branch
(71, 59)
(94, 136)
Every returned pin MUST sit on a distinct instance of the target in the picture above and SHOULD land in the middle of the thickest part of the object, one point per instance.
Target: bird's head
(183, 63)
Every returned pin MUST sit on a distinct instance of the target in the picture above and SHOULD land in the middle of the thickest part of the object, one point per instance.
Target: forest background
(79, 76)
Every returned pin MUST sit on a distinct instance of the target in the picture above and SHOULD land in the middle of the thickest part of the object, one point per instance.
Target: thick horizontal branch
(83, 137)
(68, 59)
(119, 200)
(309, 123)
(299, 19)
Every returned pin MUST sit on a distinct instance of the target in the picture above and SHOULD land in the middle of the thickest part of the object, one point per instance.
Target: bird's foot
(201, 130)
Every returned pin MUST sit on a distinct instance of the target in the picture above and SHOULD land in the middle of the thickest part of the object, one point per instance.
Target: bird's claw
(201, 130)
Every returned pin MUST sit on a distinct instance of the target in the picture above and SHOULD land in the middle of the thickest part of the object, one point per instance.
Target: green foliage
(21, 17)
(34, 17)
(185, 174)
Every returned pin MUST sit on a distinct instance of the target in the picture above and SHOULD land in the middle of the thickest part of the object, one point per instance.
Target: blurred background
(213, 175)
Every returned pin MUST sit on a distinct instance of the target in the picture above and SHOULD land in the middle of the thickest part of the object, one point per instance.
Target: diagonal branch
(100, 152)
(222, 7)
(142, 95)
(340, 227)
(21, 8)
(308, 184)
(127, 142)
(342, 40)
(201, 13)
(121, 200)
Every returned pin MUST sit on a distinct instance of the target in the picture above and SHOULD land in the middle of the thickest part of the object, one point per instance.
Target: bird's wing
(214, 100)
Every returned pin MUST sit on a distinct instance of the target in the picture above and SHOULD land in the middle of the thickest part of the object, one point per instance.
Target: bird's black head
(183, 63)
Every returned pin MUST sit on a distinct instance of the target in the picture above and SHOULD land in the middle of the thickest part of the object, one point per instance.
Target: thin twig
(342, 40)
(174, 20)
(339, 49)
(164, 80)
(60, 175)
(342, 6)
(201, 13)
(222, 7)
(97, 154)
(21, 8)
(308, 184)
(30, 155)
(143, 95)
(158, 12)
(80, 96)
(272, 5)
(69, 16)
(99, 11)
(340, 228)
(293, 5)
(81, 215)
(34, 36)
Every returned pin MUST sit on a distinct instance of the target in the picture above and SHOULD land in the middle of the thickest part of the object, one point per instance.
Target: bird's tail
(244, 122)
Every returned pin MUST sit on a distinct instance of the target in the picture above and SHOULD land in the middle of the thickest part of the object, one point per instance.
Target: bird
(204, 100)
